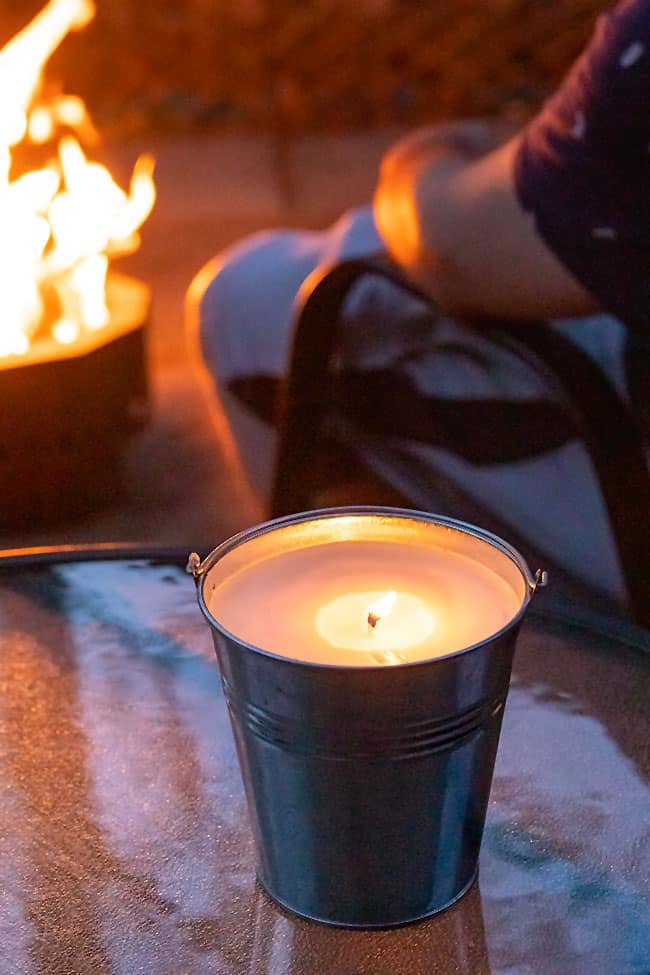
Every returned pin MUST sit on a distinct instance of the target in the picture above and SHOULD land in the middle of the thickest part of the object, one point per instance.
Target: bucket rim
(200, 570)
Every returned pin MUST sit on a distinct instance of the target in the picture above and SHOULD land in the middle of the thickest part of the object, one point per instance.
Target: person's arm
(454, 223)
(557, 221)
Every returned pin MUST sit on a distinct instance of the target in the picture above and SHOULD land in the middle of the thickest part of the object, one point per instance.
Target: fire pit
(67, 411)
(72, 366)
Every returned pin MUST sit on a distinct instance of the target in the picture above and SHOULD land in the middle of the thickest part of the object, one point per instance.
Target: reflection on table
(124, 843)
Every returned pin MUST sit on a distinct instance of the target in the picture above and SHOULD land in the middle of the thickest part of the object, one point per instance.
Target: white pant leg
(241, 304)
(244, 299)
(245, 296)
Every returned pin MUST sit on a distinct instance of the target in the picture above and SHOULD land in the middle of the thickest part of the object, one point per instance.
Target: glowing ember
(59, 224)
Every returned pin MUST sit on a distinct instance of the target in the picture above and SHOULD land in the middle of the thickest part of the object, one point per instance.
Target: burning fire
(58, 224)
(381, 608)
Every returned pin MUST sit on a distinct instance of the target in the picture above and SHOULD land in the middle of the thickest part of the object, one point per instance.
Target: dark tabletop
(124, 840)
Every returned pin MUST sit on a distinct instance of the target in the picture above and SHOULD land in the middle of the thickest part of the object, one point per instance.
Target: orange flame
(381, 608)
(59, 224)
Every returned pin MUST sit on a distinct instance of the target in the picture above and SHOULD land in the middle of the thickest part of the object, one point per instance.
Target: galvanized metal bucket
(367, 786)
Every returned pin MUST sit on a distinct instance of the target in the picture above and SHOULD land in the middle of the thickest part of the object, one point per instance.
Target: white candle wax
(381, 624)
(317, 591)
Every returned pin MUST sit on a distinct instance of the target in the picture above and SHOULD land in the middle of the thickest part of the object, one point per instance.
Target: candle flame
(381, 608)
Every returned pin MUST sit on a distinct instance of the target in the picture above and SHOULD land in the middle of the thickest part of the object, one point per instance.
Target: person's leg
(469, 411)
(435, 372)
(239, 309)
(240, 313)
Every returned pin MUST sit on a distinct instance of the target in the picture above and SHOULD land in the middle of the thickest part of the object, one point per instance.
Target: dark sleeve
(583, 167)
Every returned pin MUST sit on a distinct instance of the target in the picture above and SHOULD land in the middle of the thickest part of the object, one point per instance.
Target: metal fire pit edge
(65, 422)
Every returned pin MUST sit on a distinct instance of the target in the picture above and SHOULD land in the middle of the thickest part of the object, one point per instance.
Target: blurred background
(251, 108)
(320, 65)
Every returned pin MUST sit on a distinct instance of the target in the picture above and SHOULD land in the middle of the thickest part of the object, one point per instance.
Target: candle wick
(373, 619)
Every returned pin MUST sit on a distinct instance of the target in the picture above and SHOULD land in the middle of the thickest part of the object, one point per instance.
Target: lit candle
(384, 625)
(365, 656)
(360, 590)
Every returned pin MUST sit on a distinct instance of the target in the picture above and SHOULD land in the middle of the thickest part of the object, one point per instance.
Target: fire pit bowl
(67, 411)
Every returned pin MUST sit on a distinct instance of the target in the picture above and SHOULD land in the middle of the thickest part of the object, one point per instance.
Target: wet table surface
(124, 840)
